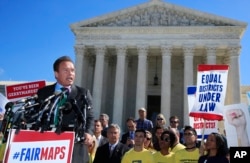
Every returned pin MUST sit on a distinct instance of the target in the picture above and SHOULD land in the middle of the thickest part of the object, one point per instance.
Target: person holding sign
(216, 149)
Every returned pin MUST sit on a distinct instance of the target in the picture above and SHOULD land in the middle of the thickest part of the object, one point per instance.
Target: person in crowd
(138, 153)
(164, 155)
(176, 145)
(100, 139)
(128, 137)
(216, 149)
(143, 122)
(157, 137)
(92, 150)
(160, 120)
(148, 143)
(191, 152)
(104, 118)
(174, 123)
(113, 151)
(81, 111)
(2, 149)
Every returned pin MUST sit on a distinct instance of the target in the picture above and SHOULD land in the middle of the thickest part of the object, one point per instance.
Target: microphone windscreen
(9, 105)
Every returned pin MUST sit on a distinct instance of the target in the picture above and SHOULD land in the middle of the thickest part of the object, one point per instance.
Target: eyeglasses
(165, 139)
(159, 119)
(188, 134)
(174, 121)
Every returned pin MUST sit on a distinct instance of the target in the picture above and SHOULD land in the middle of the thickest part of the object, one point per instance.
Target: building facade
(147, 55)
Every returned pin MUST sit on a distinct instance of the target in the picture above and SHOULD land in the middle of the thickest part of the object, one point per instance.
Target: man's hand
(88, 139)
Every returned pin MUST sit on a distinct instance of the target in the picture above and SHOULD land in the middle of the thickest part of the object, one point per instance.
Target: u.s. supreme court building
(147, 55)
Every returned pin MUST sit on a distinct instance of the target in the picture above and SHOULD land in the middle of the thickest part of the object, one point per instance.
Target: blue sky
(33, 33)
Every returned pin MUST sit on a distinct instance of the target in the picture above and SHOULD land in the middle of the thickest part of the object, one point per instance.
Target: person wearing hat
(143, 122)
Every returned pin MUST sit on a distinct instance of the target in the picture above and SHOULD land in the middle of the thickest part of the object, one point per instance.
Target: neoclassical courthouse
(147, 55)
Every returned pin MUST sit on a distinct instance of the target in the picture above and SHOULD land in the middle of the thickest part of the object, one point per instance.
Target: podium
(34, 146)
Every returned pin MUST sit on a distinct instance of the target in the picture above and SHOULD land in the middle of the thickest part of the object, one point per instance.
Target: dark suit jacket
(82, 98)
(124, 138)
(77, 93)
(102, 153)
(104, 131)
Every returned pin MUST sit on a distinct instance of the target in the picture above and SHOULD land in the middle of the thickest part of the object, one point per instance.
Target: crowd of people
(156, 142)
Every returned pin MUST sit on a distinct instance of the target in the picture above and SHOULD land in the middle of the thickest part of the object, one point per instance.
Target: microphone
(86, 101)
(66, 106)
(8, 107)
(56, 94)
(24, 100)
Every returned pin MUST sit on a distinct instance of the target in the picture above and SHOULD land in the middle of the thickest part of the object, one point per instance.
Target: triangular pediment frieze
(158, 13)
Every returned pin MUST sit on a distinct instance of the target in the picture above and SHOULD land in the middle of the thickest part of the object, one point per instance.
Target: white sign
(237, 125)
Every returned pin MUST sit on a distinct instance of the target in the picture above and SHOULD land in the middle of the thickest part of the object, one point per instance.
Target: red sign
(23, 90)
(34, 146)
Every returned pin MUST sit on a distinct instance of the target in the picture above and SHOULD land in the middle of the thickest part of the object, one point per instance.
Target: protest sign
(3, 102)
(34, 146)
(237, 124)
(211, 90)
(198, 123)
(248, 100)
(23, 90)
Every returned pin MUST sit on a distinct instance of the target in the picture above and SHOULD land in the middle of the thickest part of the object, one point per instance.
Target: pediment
(158, 13)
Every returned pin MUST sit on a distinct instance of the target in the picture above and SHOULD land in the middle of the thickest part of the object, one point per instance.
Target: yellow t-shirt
(159, 158)
(2, 151)
(143, 156)
(184, 156)
(178, 147)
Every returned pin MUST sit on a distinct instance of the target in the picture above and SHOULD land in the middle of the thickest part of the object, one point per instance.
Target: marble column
(166, 81)
(234, 75)
(79, 65)
(141, 78)
(211, 55)
(188, 80)
(98, 80)
(119, 85)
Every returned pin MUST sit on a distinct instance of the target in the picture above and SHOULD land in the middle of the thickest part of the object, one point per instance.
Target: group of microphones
(32, 112)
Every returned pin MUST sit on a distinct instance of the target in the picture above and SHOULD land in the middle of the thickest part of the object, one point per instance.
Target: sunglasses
(148, 138)
(174, 122)
(159, 119)
(166, 139)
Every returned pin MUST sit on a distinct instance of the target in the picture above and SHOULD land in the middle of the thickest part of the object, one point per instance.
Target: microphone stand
(17, 119)
(7, 121)
(81, 126)
(59, 125)
(40, 115)
(52, 108)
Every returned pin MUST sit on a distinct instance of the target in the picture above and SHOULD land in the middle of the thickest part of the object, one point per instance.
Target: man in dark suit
(128, 137)
(79, 118)
(100, 139)
(112, 151)
(104, 118)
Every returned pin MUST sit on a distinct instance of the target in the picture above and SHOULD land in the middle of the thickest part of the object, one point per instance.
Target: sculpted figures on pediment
(155, 16)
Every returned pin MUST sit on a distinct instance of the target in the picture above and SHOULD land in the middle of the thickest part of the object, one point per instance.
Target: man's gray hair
(116, 126)
(105, 116)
